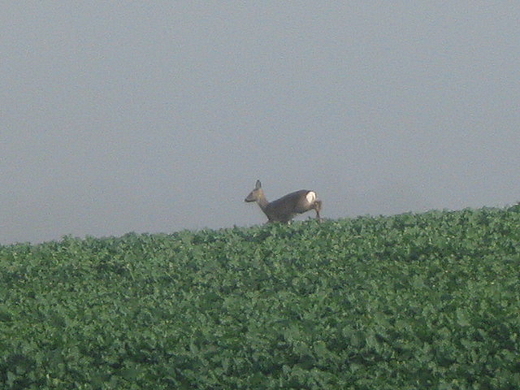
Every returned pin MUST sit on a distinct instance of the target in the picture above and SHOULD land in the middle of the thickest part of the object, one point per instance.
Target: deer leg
(317, 207)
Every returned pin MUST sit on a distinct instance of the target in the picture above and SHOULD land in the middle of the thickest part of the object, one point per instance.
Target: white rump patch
(311, 197)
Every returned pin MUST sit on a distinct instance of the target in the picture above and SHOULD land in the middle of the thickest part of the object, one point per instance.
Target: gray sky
(160, 116)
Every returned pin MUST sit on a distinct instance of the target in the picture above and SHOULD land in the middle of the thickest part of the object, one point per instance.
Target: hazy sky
(160, 116)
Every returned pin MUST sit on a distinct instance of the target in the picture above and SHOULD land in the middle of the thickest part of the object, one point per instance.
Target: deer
(285, 209)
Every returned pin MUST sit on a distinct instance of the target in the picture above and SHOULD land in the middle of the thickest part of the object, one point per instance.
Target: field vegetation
(410, 301)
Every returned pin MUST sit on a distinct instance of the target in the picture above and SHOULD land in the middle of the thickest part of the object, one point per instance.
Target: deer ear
(258, 185)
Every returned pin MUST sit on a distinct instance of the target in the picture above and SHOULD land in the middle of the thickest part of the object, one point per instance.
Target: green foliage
(404, 302)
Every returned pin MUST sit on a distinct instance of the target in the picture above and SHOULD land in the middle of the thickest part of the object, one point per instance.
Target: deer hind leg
(317, 206)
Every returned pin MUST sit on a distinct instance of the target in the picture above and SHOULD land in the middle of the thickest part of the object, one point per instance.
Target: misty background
(160, 116)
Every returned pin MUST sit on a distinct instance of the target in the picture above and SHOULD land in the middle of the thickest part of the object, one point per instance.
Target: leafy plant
(409, 301)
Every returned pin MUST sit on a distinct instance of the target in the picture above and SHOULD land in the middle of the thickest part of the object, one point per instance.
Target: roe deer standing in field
(285, 208)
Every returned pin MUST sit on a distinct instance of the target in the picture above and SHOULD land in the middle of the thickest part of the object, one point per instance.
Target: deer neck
(262, 201)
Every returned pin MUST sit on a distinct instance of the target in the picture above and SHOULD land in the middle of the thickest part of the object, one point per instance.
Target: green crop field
(411, 301)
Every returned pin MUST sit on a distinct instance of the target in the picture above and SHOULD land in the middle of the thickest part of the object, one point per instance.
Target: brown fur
(285, 208)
